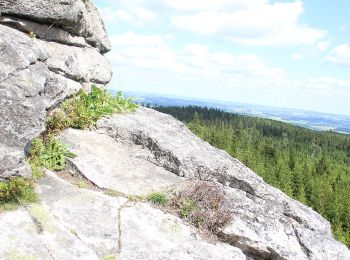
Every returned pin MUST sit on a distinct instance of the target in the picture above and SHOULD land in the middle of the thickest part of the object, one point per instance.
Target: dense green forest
(312, 167)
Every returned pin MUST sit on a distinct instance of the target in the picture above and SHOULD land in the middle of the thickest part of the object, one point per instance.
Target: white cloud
(254, 24)
(247, 22)
(194, 60)
(323, 45)
(133, 39)
(340, 56)
(297, 56)
(343, 28)
(134, 16)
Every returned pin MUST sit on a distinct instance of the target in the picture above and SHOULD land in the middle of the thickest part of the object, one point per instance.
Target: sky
(293, 54)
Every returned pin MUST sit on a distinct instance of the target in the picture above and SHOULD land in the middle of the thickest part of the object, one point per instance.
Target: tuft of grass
(16, 191)
(47, 153)
(157, 198)
(203, 204)
(84, 109)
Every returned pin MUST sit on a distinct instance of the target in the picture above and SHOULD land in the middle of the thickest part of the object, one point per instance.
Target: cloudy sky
(282, 53)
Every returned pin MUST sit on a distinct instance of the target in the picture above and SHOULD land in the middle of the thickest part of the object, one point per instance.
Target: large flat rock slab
(73, 223)
(115, 166)
(35, 233)
(144, 228)
(91, 216)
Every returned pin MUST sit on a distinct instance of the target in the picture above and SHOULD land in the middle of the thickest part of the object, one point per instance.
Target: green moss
(157, 198)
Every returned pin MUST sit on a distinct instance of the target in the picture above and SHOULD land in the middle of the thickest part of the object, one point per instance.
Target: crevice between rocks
(39, 229)
(73, 77)
(304, 248)
(119, 224)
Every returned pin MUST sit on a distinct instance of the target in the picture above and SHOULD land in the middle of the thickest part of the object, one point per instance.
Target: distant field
(312, 120)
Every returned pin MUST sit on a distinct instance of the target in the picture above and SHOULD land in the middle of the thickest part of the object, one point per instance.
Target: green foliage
(83, 110)
(187, 207)
(16, 191)
(312, 167)
(157, 198)
(48, 153)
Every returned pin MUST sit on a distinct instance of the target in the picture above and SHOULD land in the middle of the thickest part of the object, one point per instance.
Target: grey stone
(266, 224)
(78, 64)
(115, 227)
(115, 166)
(22, 77)
(90, 216)
(148, 233)
(57, 88)
(76, 16)
(43, 31)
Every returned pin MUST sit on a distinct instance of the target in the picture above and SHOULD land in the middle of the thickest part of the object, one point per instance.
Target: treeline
(312, 167)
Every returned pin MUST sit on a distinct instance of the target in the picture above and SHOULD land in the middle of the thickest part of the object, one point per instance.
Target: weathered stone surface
(266, 224)
(43, 31)
(90, 216)
(76, 16)
(12, 162)
(57, 88)
(78, 64)
(34, 233)
(22, 76)
(72, 223)
(19, 237)
(114, 165)
(148, 233)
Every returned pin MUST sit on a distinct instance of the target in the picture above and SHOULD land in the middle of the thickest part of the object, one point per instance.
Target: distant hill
(309, 119)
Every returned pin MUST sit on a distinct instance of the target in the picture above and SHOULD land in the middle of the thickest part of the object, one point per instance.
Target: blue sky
(293, 54)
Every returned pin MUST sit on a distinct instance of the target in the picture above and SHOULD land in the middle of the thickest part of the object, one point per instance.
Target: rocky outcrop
(77, 19)
(48, 51)
(267, 224)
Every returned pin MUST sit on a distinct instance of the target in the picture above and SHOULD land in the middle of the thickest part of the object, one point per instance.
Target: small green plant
(48, 153)
(187, 207)
(157, 198)
(16, 191)
(84, 109)
(81, 184)
(32, 35)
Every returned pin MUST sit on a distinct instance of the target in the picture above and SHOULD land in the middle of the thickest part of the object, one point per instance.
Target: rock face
(48, 51)
(267, 224)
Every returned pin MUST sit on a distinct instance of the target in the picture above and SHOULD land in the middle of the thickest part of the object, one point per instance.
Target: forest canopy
(311, 167)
